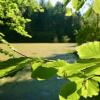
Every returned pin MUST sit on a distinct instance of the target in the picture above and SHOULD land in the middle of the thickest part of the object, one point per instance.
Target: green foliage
(83, 75)
(96, 6)
(28, 7)
(68, 92)
(69, 12)
(54, 25)
(91, 49)
(78, 4)
(90, 29)
(11, 17)
(5, 52)
(12, 66)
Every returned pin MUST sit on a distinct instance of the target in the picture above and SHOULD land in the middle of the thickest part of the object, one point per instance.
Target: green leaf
(68, 92)
(69, 12)
(89, 50)
(74, 68)
(77, 4)
(55, 64)
(73, 96)
(36, 65)
(96, 6)
(90, 88)
(78, 79)
(94, 70)
(44, 73)
(47, 70)
(96, 78)
(11, 66)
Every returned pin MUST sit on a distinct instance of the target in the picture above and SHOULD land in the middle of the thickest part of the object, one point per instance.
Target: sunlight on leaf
(96, 6)
(69, 12)
(12, 66)
(89, 50)
(90, 88)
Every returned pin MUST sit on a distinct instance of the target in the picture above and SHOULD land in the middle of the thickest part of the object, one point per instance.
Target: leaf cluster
(78, 4)
(11, 16)
(83, 75)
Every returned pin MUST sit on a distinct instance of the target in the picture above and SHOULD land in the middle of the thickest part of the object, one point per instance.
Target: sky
(55, 1)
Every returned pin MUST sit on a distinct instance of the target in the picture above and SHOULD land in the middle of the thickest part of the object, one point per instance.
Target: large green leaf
(96, 78)
(43, 71)
(89, 50)
(90, 88)
(77, 67)
(94, 70)
(96, 6)
(11, 66)
(68, 92)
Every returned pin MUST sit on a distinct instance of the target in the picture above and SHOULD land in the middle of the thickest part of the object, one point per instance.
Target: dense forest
(48, 23)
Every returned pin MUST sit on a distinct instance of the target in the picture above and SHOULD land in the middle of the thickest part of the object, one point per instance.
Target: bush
(90, 29)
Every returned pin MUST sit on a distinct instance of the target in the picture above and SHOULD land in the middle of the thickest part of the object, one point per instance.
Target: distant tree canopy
(90, 29)
(52, 25)
(44, 22)
(90, 21)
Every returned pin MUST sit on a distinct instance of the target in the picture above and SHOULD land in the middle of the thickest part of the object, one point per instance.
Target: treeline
(50, 25)
(46, 23)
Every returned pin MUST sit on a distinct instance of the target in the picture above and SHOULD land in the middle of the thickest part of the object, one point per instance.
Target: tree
(13, 14)
(90, 29)
(15, 17)
(78, 4)
(11, 17)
